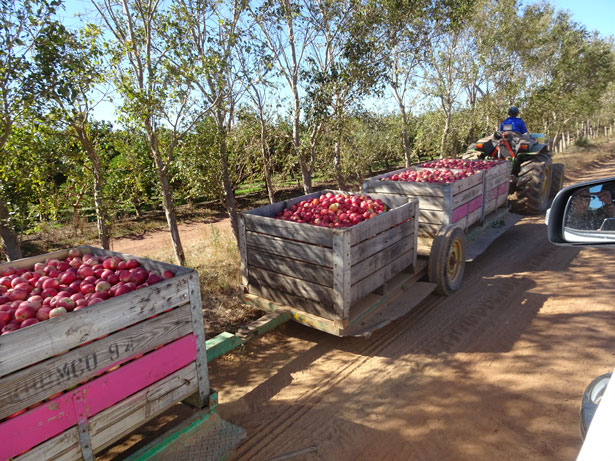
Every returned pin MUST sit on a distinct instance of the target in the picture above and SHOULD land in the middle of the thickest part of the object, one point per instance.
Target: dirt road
(494, 372)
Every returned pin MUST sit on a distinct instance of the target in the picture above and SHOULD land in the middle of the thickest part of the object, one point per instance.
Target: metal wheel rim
(453, 267)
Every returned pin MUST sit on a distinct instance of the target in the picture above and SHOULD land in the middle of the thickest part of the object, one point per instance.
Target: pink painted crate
(73, 385)
(458, 203)
(497, 181)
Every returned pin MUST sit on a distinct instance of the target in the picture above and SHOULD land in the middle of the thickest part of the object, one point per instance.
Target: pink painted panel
(503, 189)
(459, 213)
(475, 204)
(491, 194)
(27, 430)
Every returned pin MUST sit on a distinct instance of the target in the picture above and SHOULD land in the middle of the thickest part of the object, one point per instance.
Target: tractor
(534, 178)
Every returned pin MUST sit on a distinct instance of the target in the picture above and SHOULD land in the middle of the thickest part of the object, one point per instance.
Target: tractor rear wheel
(557, 179)
(447, 259)
(533, 185)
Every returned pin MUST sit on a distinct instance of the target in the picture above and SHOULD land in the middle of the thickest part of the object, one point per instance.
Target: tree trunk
(445, 132)
(10, 243)
(306, 174)
(229, 193)
(404, 135)
(266, 159)
(99, 203)
(167, 196)
(337, 160)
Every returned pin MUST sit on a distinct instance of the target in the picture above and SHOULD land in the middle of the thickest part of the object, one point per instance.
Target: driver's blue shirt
(517, 125)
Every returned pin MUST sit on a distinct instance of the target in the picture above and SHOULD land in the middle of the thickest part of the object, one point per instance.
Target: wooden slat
(318, 322)
(319, 308)
(286, 248)
(380, 259)
(34, 384)
(341, 273)
(243, 251)
(432, 216)
(413, 189)
(292, 285)
(114, 423)
(300, 232)
(198, 329)
(381, 241)
(306, 271)
(55, 336)
(375, 280)
(367, 229)
(466, 195)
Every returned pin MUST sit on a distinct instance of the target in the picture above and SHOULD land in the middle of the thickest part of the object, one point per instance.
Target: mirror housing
(561, 230)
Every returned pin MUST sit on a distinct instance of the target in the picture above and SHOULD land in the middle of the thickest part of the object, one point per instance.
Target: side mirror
(583, 214)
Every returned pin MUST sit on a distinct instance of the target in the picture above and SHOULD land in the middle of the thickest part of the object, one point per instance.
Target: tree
(156, 98)
(22, 22)
(287, 34)
(71, 67)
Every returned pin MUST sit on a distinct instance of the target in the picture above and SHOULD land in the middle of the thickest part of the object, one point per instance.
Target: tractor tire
(447, 259)
(533, 185)
(557, 179)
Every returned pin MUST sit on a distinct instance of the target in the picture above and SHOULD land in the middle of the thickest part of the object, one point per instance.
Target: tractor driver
(513, 122)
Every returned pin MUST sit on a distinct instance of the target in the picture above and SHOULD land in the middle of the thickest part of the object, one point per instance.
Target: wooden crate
(156, 334)
(458, 203)
(325, 272)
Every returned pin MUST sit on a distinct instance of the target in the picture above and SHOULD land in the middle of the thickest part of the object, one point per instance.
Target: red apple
(28, 322)
(168, 274)
(56, 312)
(132, 264)
(9, 328)
(74, 252)
(17, 294)
(43, 313)
(66, 303)
(103, 285)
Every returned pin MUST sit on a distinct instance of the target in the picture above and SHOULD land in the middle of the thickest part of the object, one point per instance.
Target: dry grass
(215, 257)
(575, 158)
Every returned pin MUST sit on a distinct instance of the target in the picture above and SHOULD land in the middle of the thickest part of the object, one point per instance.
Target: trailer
(353, 281)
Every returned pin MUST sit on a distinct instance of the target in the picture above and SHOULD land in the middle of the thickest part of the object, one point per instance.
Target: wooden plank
(243, 250)
(367, 248)
(341, 273)
(34, 384)
(322, 309)
(319, 322)
(221, 344)
(292, 285)
(114, 423)
(370, 283)
(198, 329)
(502, 200)
(467, 195)
(263, 324)
(307, 271)
(367, 229)
(432, 216)
(55, 336)
(274, 208)
(300, 232)
(381, 259)
(287, 248)
(57, 415)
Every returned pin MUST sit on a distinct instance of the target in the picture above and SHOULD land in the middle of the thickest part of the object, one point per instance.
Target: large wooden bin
(320, 271)
(440, 204)
(90, 377)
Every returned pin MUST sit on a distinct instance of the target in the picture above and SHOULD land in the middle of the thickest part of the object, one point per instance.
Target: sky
(594, 14)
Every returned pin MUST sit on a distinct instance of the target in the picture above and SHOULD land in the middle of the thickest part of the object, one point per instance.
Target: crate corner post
(196, 309)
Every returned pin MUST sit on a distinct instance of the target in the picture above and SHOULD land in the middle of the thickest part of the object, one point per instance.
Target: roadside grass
(577, 157)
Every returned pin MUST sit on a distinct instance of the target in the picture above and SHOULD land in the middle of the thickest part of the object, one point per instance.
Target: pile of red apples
(55, 287)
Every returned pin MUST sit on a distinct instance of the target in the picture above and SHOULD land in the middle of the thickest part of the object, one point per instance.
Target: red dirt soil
(495, 371)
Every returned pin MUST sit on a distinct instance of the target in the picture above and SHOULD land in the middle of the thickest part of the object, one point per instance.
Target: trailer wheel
(447, 259)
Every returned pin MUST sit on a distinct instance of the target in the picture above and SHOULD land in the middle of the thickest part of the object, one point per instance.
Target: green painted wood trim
(221, 344)
(159, 445)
